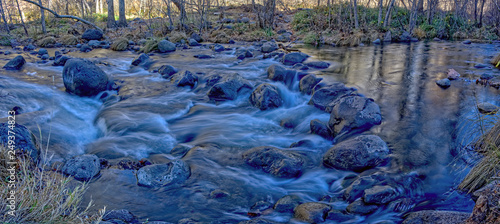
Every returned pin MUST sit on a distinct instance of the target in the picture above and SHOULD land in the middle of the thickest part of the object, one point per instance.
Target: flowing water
(422, 124)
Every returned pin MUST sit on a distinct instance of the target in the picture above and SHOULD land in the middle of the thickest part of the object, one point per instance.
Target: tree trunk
(388, 14)
(97, 6)
(269, 8)
(319, 2)
(44, 29)
(356, 21)
(122, 21)
(182, 10)
(380, 9)
(481, 15)
(3, 17)
(83, 8)
(21, 16)
(111, 14)
(420, 6)
(475, 10)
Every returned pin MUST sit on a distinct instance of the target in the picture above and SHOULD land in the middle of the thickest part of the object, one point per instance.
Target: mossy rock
(69, 40)
(47, 41)
(119, 44)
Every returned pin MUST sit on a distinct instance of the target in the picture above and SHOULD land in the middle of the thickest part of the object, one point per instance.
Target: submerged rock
(354, 114)
(203, 56)
(361, 208)
(122, 215)
(287, 203)
(311, 212)
(25, 142)
(294, 58)
(163, 175)
(380, 195)
(83, 78)
(15, 63)
(357, 154)
(443, 83)
(227, 88)
(487, 108)
(436, 217)
(275, 161)
(83, 167)
(266, 96)
(357, 188)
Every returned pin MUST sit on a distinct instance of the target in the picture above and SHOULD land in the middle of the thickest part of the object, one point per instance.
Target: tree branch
(65, 16)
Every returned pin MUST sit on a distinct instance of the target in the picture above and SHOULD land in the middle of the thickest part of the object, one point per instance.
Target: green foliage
(100, 17)
(5, 40)
(311, 38)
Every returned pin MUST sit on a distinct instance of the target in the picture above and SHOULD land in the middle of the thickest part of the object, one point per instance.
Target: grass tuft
(176, 36)
(69, 40)
(47, 41)
(119, 44)
(150, 45)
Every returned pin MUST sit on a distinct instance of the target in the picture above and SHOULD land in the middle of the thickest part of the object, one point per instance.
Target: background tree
(111, 15)
(122, 21)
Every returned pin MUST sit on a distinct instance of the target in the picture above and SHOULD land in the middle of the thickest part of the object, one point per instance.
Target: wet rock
(436, 217)
(258, 221)
(163, 175)
(284, 37)
(92, 34)
(259, 208)
(300, 66)
(83, 167)
(453, 74)
(443, 83)
(166, 71)
(467, 42)
(166, 46)
(45, 57)
(213, 79)
(192, 42)
(487, 108)
(311, 212)
(354, 114)
(85, 48)
(269, 47)
(142, 59)
(29, 47)
(185, 79)
(281, 74)
(320, 128)
(486, 76)
(61, 61)
(360, 208)
(388, 37)
(357, 154)
(219, 48)
(287, 203)
(180, 150)
(7, 53)
(357, 188)
(405, 37)
(339, 216)
(218, 194)
(122, 215)
(481, 66)
(196, 37)
(318, 64)
(266, 96)
(25, 141)
(294, 58)
(307, 83)
(228, 88)
(377, 41)
(380, 195)
(15, 63)
(43, 51)
(487, 205)
(83, 78)
(158, 222)
(325, 98)
(401, 205)
(275, 161)
(203, 56)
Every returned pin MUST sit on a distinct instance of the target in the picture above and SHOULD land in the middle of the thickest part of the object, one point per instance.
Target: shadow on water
(420, 123)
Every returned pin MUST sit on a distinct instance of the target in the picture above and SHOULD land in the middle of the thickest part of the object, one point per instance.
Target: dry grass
(489, 166)
(46, 41)
(176, 36)
(150, 45)
(42, 196)
(119, 44)
(496, 61)
(419, 33)
(69, 40)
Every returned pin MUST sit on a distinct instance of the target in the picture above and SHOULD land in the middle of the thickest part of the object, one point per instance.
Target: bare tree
(3, 17)
(380, 9)
(21, 16)
(388, 13)
(180, 4)
(122, 21)
(42, 17)
(111, 15)
(356, 20)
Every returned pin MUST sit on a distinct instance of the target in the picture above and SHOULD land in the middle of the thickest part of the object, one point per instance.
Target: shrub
(5, 40)
(119, 44)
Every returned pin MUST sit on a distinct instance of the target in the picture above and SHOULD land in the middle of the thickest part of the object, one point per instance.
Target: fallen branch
(65, 16)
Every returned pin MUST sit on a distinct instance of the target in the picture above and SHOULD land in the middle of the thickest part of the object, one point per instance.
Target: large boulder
(312, 212)
(307, 83)
(15, 63)
(84, 78)
(436, 217)
(192, 42)
(185, 79)
(269, 47)
(294, 58)
(275, 161)
(92, 34)
(357, 154)
(166, 71)
(354, 114)
(227, 88)
(163, 175)
(326, 97)
(24, 141)
(266, 96)
(83, 167)
(166, 46)
(196, 37)
(280, 74)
